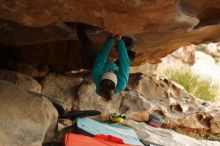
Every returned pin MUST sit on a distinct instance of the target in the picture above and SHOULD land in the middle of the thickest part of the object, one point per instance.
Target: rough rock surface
(183, 57)
(61, 87)
(160, 26)
(166, 137)
(212, 49)
(12, 33)
(153, 94)
(23, 81)
(176, 105)
(204, 63)
(145, 95)
(27, 69)
(88, 99)
(26, 119)
(145, 68)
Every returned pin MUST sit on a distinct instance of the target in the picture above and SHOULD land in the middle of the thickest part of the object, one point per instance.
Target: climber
(110, 77)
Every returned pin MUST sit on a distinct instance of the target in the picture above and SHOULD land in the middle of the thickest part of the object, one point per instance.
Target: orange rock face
(160, 26)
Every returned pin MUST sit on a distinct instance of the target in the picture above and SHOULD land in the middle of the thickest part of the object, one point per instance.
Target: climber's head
(108, 84)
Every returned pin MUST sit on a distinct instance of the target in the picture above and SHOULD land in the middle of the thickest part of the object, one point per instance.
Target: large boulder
(23, 81)
(63, 88)
(27, 69)
(88, 99)
(212, 49)
(160, 26)
(154, 94)
(26, 118)
(206, 67)
(184, 57)
(202, 63)
(177, 106)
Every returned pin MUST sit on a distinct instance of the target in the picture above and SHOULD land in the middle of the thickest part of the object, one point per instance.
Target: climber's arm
(124, 66)
(101, 59)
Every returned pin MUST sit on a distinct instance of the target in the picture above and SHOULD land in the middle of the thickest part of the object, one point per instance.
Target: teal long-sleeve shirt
(102, 65)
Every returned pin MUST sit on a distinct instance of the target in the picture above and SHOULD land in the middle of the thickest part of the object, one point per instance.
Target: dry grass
(194, 84)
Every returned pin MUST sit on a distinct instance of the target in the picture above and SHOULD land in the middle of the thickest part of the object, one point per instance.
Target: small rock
(61, 87)
(27, 69)
(23, 81)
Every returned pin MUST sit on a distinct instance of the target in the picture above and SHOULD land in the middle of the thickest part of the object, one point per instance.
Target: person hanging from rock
(110, 77)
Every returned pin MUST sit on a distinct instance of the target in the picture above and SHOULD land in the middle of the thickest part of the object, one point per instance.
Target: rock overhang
(159, 26)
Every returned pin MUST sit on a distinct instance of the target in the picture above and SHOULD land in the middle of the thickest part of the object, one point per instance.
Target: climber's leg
(88, 49)
(131, 55)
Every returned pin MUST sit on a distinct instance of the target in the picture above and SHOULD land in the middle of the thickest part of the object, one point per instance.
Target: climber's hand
(112, 36)
(118, 37)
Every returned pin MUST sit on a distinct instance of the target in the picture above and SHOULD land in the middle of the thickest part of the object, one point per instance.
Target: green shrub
(210, 136)
(194, 84)
(200, 47)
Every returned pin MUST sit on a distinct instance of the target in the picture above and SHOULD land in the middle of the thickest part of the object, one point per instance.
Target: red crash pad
(99, 140)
